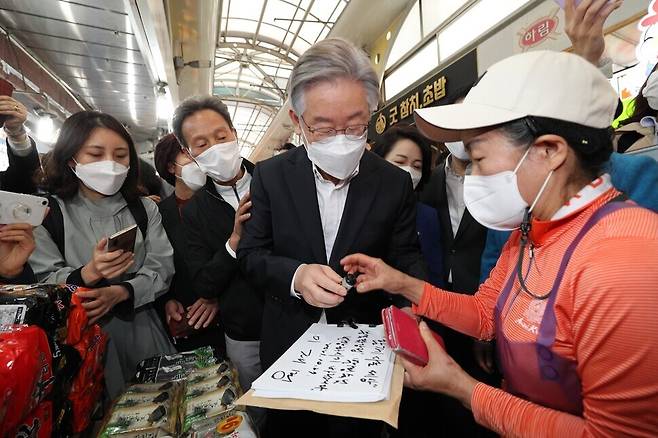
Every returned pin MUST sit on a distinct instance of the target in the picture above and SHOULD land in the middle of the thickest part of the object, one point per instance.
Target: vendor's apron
(532, 370)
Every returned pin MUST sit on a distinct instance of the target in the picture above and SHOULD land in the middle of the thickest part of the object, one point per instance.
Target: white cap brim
(447, 122)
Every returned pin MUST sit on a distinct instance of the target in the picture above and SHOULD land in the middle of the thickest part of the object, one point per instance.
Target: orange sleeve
(612, 311)
(512, 416)
(472, 315)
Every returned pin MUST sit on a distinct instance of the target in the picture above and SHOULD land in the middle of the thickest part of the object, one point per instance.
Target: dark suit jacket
(19, 175)
(285, 230)
(209, 220)
(461, 252)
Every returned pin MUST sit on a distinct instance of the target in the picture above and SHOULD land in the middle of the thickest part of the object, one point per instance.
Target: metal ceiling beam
(267, 79)
(294, 38)
(249, 36)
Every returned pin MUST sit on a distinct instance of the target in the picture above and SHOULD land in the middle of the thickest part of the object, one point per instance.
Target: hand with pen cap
(375, 274)
(319, 286)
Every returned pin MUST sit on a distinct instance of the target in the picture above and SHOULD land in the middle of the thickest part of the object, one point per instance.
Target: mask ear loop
(526, 225)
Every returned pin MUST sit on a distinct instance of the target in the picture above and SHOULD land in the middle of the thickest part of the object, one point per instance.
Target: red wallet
(403, 335)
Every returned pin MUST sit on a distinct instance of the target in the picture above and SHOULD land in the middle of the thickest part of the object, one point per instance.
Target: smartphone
(18, 208)
(124, 239)
(6, 89)
(403, 335)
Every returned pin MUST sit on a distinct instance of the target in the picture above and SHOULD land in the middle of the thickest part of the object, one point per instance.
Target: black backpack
(54, 221)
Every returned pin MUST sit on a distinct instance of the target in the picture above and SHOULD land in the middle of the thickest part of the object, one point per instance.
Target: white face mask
(495, 201)
(339, 156)
(105, 177)
(458, 150)
(650, 91)
(221, 162)
(416, 174)
(192, 176)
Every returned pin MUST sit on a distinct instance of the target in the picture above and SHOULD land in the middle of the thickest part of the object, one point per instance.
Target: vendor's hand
(16, 245)
(16, 112)
(441, 374)
(174, 310)
(319, 286)
(241, 216)
(484, 355)
(584, 26)
(374, 274)
(106, 264)
(98, 302)
(202, 313)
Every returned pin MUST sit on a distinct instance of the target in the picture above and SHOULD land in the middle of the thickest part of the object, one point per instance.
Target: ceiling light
(388, 35)
(46, 128)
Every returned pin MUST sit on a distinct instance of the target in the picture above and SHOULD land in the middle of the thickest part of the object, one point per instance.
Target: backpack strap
(54, 223)
(138, 212)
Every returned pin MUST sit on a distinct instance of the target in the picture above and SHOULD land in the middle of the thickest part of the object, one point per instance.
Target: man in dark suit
(313, 205)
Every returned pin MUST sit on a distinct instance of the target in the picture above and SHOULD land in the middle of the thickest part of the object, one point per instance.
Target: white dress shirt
(455, 194)
(331, 203)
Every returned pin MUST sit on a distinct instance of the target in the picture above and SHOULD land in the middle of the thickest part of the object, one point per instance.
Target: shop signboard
(439, 88)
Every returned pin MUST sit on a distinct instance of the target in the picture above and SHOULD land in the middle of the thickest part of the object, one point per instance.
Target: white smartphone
(17, 208)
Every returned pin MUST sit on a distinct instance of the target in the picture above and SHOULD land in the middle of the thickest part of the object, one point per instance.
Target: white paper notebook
(331, 363)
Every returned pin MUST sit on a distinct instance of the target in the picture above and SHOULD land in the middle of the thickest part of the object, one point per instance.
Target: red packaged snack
(87, 386)
(25, 373)
(39, 424)
(77, 321)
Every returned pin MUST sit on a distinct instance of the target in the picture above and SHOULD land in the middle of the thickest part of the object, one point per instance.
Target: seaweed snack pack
(174, 367)
(145, 410)
(231, 424)
(200, 406)
(26, 376)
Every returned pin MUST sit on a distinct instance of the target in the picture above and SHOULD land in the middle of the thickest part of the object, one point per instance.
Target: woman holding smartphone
(92, 175)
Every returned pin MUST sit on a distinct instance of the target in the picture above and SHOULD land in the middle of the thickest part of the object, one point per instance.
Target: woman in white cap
(572, 301)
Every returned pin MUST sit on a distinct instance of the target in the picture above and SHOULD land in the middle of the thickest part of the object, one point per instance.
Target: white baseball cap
(541, 83)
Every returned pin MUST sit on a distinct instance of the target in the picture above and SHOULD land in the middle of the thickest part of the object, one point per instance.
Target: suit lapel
(301, 183)
(360, 197)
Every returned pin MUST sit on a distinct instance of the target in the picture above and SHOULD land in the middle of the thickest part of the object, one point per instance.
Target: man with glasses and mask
(315, 204)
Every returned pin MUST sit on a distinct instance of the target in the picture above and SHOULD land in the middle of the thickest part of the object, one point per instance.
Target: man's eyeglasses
(323, 135)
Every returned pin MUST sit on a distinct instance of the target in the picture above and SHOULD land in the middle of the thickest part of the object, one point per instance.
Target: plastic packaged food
(202, 406)
(38, 424)
(175, 366)
(52, 307)
(218, 370)
(145, 410)
(234, 424)
(26, 376)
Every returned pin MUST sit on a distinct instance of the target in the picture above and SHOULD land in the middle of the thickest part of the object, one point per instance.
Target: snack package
(39, 424)
(199, 407)
(145, 410)
(142, 418)
(216, 370)
(174, 367)
(26, 376)
(87, 387)
(231, 424)
(52, 307)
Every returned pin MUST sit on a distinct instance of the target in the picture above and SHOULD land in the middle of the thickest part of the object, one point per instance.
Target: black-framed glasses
(322, 135)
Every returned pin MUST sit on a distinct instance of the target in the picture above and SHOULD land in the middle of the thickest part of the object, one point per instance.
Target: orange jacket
(607, 321)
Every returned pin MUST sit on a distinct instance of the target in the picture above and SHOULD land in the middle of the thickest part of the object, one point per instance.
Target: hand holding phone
(6, 89)
(403, 336)
(123, 239)
(17, 208)
(104, 264)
